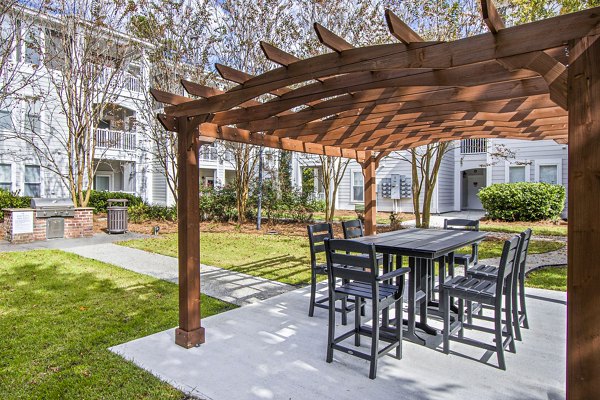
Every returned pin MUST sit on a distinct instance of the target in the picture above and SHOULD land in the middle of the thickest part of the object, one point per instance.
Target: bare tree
(86, 61)
(180, 35)
(18, 43)
(240, 26)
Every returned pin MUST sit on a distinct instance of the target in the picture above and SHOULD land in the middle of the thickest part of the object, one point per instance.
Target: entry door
(474, 184)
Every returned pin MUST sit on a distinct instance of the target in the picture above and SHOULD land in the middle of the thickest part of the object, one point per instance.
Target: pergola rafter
(535, 81)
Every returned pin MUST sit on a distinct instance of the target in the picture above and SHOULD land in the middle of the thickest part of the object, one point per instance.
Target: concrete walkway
(233, 287)
(273, 350)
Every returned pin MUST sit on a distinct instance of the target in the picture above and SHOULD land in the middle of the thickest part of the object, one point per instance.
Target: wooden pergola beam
(277, 55)
(542, 35)
(400, 30)
(330, 39)
(491, 17)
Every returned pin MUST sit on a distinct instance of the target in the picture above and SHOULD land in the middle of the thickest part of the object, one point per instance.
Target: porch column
(190, 333)
(370, 189)
(583, 297)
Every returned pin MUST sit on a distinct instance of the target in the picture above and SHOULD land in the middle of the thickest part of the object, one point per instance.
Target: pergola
(535, 81)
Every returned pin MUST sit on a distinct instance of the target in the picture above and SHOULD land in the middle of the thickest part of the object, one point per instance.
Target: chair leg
(499, 341)
(399, 315)
(515, 314)
(508, 317)
(313, 290)
(461, 317)
(357, 320)
(522, 308)
(446, 340)
(344, 310)
(331, 329)
(374, 340)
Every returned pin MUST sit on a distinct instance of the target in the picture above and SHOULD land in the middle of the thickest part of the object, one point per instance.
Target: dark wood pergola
(533, 82)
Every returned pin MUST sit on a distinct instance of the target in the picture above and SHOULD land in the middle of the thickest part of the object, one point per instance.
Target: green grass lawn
(277, 257)
(538, 229)
(59, 314)
(553, 278)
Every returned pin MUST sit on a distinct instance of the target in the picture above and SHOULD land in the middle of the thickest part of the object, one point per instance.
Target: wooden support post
(583, 297)
(370, 190)
(190, 332)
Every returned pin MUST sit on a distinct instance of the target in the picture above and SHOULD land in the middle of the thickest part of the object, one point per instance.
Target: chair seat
(362, 289)
(471, 287)
(483, 271)
(462, 258)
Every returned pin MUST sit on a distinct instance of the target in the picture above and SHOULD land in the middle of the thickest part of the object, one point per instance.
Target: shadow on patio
(273, 350)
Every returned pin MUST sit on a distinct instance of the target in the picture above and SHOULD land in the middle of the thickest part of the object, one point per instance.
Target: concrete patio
(273, 350)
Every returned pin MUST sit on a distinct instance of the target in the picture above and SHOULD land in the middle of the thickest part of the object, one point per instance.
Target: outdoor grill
(47, 208)
(55, 210)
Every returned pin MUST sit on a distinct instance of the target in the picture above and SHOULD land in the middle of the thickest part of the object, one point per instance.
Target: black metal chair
(355, 266)
(519, 312)
(489, 292)
(354, 229)
(464, 225)
(316, 236)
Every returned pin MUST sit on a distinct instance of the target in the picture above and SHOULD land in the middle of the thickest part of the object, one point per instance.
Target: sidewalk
(232, 287)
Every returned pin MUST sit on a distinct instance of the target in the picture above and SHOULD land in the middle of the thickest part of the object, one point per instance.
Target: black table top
(424, 243)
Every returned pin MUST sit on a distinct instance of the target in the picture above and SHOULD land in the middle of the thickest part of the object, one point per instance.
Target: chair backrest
(510, 253)
(349, 260)
(525, 240)
(352, 229)
(317, 234)
(461, 224)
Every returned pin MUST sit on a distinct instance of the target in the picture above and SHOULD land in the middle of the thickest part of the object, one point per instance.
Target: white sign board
(22, 222)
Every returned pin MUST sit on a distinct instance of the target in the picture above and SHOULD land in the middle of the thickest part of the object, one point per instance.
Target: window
(33, 120)
(103, 182)
(33, 182)
(32, 46)
(6, 177)
(549, 171)
(6, 120)
(516, 173)
(357, 186)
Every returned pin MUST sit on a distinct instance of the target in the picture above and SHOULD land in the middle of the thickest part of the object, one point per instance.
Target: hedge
(12, 200)
(523, 201)
(98, 199)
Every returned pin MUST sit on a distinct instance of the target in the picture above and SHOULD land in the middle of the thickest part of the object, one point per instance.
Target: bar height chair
(517, 294)
(464, 225)
(355, 266)
(317, 234)
(489, 292)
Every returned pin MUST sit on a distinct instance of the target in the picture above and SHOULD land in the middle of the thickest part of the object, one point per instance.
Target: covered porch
(364, 103)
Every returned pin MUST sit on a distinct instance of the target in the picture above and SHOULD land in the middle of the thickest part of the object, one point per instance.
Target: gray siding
(445, 185)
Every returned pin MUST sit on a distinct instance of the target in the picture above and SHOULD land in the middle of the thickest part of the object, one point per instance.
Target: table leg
(412, 294)
(385, 317)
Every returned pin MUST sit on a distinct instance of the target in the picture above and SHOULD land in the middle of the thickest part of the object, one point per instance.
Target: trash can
(116, 216)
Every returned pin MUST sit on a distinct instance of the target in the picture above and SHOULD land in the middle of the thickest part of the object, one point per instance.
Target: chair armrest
(393, 274)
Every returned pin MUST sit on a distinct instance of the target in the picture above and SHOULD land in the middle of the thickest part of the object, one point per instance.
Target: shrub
(218, 204)
(523, 201)
(98, 199)
(12, 200)
(144, 212)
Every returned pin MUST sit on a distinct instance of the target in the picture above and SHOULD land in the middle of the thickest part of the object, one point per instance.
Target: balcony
(126, 81)
(473, 146)
(208, 153)
(115, 140)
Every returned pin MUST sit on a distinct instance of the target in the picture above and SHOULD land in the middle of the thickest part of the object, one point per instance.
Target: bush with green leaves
(145, 212)
(523, 201)
(98, 199)
(218, 204)
(12, 200)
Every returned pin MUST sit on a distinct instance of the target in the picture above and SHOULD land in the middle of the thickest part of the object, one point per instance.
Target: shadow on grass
(61, 312)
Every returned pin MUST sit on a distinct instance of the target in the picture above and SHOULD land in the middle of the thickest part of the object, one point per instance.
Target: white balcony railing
(116, 140)
(125, 80)
(473, 146)
(208, 153)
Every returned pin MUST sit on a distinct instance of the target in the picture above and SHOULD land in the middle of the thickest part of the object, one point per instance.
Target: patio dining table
(422, 247)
